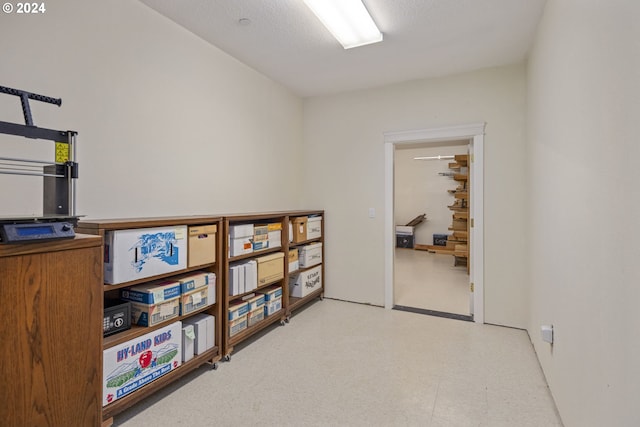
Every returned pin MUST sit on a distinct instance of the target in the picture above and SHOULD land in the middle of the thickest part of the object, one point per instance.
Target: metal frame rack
(59, 199)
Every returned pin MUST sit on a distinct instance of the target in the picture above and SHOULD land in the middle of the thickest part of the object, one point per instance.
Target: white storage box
(275, 238)
(314, 227)
(404, 230)
(192, 281)
(294, 262)
(188, 342)
(144, 252)
(305, 282)
(310, 255)
(204, 327)
(241, 230)
(152, 293)
(240, 246)
(272, 306)
(255, 302)
(135, 363)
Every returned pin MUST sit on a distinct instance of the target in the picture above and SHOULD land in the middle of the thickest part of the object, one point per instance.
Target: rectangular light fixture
(347, 20)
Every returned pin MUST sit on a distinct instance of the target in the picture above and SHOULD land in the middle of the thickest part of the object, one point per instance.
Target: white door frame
(475, 133)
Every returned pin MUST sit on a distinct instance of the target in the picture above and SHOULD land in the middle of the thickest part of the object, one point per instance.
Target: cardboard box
(194, 300)
(250, 275)
(255, 302)
(310, 255)
(255, 316)
(152, 314)
(274, 226)
(135, 363)
(240, 246)
(241, 230)
(272, 306)
(237, 325)
(192, 281)
(299, 229)
(305, 282)
(144, 252)
(188, 342)
(271, 293)
(237, 309)
(258, 246)
(202, 245)
(205, 328)
(270, 268)
(294, 264)
(275, 239)
(260, 232)
(152, 293)
(314, 227)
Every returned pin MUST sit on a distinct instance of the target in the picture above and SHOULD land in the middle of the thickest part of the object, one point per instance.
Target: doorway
(434, 137)
(431, 273)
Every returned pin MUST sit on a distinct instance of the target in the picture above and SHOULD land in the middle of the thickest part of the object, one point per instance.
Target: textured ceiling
(422, 38)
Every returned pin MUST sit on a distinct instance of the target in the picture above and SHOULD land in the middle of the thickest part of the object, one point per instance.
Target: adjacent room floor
(430, 281)
(344, 364)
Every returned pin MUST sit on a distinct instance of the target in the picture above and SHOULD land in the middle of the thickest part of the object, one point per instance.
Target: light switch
(547, 333)
(372, 212)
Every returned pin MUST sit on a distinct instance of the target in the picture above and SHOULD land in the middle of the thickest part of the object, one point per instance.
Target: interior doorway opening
(431, 263)
(474, 133)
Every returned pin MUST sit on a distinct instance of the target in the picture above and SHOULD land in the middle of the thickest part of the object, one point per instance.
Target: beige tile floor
(430, 281)
(344, 364)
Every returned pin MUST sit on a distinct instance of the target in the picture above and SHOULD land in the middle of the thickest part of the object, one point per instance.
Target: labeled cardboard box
(131, 365)
(202, 245)
(310, 255)
(192, 281)
(299, 225)
(271, 293)
(255, 316)
(305, 282)
(270, 268)
(194, 300)
(237, 325)
(237, 309)
(294, 263)
(241, 230)
(272, 306)
(314, 227)
(240, 246)
(153, 314)
(152, 293)
(144, 252)
(274, 226)
(255, 302)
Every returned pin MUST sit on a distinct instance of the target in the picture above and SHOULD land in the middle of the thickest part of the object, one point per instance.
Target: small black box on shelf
(440, 239)
(117, 316)
(404, 241)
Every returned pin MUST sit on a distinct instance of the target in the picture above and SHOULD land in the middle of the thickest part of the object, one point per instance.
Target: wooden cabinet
(289, 303)
(51, 333)
(458, 241)
(101, 227)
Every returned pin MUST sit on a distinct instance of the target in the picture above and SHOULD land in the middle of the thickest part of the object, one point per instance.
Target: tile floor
(344, 364)
(430, 281)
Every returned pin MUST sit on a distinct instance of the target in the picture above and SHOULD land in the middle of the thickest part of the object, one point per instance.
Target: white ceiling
(422, 38)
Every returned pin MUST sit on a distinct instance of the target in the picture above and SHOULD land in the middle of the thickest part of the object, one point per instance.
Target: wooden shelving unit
(458, 240)
(289, 304)
(211, 356)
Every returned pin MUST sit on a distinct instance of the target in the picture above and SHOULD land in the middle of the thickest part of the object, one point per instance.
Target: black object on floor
(455, 316)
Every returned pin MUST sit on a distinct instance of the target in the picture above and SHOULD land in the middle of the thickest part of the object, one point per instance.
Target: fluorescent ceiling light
(347, 20)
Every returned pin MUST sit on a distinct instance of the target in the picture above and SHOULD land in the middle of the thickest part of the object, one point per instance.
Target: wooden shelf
(306, 242)
(243, 335)
(461, 195)
(256, 254)
(460, 177)
(295, 303)
(206, 267)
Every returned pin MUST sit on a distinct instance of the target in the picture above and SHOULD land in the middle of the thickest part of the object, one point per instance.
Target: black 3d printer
(59, 211)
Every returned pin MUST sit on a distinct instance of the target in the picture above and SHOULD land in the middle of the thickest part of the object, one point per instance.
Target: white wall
(167, 123)
(344, 167)
(420, 189)
(584, 203)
